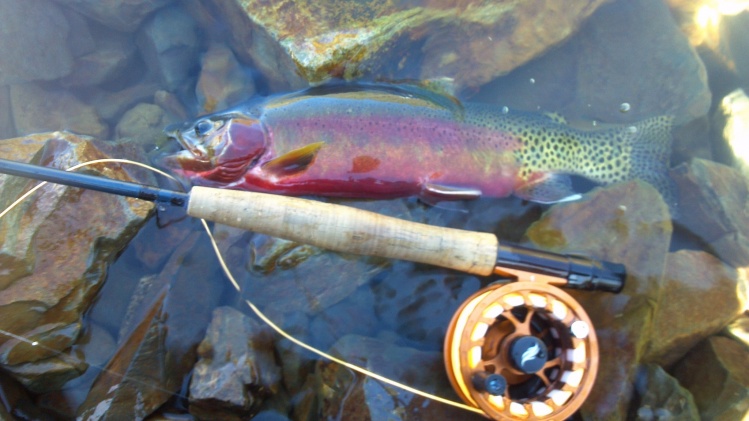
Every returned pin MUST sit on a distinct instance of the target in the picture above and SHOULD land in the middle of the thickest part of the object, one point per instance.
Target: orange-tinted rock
(661, 396)
(222, 82)
(236, 370)
(716, 373)
(699, 296)
(55, 250)
(625, 223)
(714, 201)
(471, 41)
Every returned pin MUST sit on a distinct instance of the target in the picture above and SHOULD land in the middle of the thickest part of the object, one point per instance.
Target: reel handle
(345, 229)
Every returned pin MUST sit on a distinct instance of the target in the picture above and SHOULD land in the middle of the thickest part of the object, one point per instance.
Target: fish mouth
(189, 159)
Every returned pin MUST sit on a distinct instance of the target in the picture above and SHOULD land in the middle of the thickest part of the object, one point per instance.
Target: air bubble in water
(532, 81)
(632, 129)
(624, 107)
(505, 109)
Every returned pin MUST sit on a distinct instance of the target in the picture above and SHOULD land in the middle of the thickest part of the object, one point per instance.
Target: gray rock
(60, 110)
(122, 15)
(169, 44)
(33, 41)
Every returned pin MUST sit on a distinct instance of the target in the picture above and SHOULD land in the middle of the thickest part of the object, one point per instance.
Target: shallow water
(626, 62)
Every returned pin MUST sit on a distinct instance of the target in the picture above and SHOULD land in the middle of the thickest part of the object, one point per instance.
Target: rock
(169, 44)
(714, 201)
(418, 302)
(236, 370)
(626, 52)
(141, 119)
(17, 403)
(122, 15)
(276, 273)
(344, 394)
(222, 82)
(21, 149)
(472, 42)
(110, 61)
(37, 52)
(38, 110)
(158, 347)
(7, 130)
(625, 223)
(111, 105)
(715, 372)
(661, 397)
(712, 292)
(41, 298)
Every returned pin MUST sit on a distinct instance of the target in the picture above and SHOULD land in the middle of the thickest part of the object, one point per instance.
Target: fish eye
(203, 127)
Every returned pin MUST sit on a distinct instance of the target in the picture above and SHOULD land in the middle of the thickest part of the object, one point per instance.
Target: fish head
(217, 149)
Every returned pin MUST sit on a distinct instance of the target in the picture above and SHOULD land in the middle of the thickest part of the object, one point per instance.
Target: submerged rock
(122, 15)
(626, 223)
(56, 247)
(61, 111)
(236, 370)
(33, 41)
(111, 59)
(222, 80)
(471, 41)
(661, 397)
(714, 200)
(699, 296)
(627, 52)
(159, 337)
(344, 394)
(715, 372)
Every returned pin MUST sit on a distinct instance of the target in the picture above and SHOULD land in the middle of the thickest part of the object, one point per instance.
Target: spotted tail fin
(650, 157)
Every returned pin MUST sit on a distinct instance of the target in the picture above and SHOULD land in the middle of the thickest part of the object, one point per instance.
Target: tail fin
(651, 154)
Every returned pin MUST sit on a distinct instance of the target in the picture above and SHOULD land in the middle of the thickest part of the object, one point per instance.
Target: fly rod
(345, 229)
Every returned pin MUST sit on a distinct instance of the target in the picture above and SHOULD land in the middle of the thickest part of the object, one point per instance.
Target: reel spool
(522, 351)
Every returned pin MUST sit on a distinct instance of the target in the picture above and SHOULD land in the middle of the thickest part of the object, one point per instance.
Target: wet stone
(169, 44)
(122, 15)
(110, 61)
(714, 199)
(51, 57)
(142, 119)
(472, 42)
(60, 242)
(222, 82)
(61, 111)
(739, 329)
(347, 395)
(733, 117)
(627, 223)
(660, 397)
(715, 372)
(626, 52)
(236, 370)
(7, 130)
(699, 296)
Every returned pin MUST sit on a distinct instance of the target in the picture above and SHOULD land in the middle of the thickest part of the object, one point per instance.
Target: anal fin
(547, 188)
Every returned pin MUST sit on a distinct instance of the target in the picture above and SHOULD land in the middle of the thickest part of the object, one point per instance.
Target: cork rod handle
(345, 229)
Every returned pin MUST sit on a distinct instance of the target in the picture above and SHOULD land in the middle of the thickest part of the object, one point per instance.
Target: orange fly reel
(522, 351)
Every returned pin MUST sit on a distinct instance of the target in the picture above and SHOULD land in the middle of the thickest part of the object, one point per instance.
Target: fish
(382, 142)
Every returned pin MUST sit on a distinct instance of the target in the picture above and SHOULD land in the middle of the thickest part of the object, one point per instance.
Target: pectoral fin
(547, 188)
(432, 193)
(293, 162)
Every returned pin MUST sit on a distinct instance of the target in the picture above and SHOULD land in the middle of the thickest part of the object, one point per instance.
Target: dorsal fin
(403, 91)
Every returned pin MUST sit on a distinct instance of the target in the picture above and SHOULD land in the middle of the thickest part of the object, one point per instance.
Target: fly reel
(522, 351)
